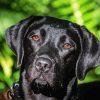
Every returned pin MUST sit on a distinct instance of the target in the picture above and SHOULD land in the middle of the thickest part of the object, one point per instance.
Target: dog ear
(15, 36)
(90, 53)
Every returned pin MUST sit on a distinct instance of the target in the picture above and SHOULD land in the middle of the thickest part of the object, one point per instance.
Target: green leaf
(97, 70)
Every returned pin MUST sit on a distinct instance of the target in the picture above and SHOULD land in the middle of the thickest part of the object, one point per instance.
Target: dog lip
(41, 81)
(41, 78)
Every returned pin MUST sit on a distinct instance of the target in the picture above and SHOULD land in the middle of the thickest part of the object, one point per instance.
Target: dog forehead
(50, 29)
(53, 27)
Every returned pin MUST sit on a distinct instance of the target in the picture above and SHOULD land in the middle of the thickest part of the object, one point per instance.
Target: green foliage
(28, 6)
(83, 12)
(8, 71)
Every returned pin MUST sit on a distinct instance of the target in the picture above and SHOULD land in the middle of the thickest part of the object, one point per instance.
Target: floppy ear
(90, 53)
(15, 36)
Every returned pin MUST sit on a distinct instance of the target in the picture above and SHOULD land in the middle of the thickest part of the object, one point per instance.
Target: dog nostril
(43, 64)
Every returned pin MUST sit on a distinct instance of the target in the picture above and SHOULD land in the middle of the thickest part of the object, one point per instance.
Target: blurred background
(83, 12)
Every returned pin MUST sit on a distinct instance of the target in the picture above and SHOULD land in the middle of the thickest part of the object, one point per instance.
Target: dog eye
(67, 46)
(35, 38)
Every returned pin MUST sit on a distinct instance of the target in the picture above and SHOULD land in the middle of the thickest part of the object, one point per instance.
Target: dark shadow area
(89, 91)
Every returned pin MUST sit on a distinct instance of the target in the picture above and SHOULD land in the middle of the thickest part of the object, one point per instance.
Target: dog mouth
(40, 86)
(41, 80)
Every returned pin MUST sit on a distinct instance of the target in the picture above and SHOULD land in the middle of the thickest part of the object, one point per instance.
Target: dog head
(51, 51)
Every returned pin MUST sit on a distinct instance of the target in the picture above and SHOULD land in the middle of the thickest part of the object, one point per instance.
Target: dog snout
(43, 64)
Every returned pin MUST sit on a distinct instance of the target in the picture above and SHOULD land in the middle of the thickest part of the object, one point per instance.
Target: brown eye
(35, 38)
(67, 46)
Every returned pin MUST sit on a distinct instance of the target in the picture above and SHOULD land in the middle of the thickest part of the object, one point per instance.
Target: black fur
(48, 70)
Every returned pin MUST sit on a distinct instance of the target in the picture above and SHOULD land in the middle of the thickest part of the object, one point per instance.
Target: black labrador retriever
(52, 54)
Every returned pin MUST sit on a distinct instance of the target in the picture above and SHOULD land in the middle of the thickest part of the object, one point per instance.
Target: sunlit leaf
(97, 70)
(6, 64)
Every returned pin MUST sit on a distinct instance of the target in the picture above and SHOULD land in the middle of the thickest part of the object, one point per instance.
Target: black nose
(43, 64)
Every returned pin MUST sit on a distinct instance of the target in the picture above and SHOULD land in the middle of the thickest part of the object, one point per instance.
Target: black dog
(52, 54)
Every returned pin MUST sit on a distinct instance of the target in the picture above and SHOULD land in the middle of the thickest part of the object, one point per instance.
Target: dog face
(51, 52)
